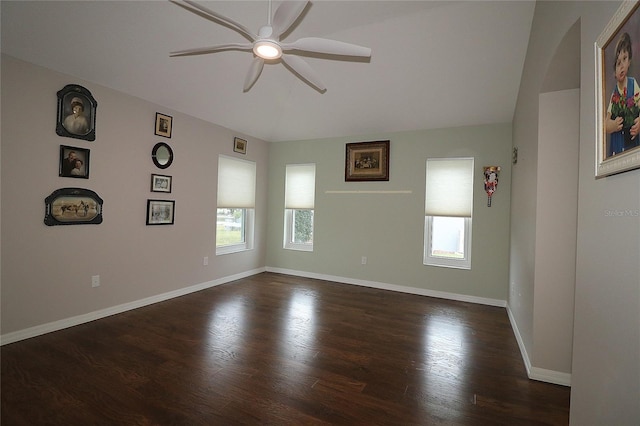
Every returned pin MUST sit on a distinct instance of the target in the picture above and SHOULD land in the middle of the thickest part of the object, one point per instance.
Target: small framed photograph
(160, 183)
(367, 161)
(160, 212)
(74, 162)
(240, 145)
(163, 125)
(72, 206)
(76, 113)
(618, 93)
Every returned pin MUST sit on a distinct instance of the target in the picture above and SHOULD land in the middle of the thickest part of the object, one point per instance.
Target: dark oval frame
(154, 155)
(65, 95)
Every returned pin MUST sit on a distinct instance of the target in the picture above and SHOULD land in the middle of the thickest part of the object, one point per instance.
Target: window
(448, 211)
(300, 193)
(236, 204)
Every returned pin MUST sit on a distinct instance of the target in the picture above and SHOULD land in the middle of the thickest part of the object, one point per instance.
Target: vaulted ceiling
(434, 64)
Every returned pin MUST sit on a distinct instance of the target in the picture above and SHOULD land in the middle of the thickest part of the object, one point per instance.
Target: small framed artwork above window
(239, 145)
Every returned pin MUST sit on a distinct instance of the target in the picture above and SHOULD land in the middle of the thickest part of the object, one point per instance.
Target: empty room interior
(414, 212)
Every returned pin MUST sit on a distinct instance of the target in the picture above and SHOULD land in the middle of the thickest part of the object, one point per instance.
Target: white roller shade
(449, 187)
(300, 186)
(236, 183)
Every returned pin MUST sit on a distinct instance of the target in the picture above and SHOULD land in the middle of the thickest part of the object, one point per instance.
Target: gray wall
(605, 372)
(46, 271)
(388, 228)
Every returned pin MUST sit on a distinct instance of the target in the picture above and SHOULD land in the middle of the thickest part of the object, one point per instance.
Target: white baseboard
(103, 313)
(536, 373)
(523, 349)
(392, 287)
(550, 376)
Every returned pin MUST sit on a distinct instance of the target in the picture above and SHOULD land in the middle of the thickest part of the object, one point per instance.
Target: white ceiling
(434, 64)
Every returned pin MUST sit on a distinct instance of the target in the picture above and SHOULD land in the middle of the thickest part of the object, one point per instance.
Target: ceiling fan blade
(212, 49)
(254, 72)
(286, 14)
(205, 12)
(330, 47)
(300, 67)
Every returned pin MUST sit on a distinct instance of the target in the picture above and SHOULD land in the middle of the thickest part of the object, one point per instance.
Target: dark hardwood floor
(281, 350)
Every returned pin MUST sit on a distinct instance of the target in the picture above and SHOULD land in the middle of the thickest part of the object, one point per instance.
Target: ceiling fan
(266, 44)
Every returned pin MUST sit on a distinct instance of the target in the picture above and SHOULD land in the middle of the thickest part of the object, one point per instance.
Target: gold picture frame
(617, 151)
(367, 161)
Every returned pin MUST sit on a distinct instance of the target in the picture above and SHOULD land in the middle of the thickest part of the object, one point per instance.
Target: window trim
(444, 262)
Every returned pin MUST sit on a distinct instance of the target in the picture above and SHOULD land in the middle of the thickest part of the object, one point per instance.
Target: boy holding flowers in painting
(622, 115)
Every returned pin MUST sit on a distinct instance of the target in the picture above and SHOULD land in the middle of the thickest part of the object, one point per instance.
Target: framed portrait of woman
(76, 113)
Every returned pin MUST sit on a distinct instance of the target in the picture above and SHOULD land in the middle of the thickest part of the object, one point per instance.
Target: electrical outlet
(205, 260)
(364, 260)
(95, 281)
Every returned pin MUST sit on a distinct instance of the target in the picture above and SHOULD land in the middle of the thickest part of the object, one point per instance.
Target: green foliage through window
(303, 226)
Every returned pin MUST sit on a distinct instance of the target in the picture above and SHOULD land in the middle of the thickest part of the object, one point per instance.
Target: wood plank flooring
(281, 350)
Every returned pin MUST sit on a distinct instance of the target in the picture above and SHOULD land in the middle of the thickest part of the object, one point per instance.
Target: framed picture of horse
(73, 206)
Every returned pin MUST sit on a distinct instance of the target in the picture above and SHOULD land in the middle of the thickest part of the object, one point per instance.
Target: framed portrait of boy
(618, 93)
(76, 113)
(73, 162)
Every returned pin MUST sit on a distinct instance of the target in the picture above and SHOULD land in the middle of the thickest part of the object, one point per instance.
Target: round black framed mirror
(162, 155)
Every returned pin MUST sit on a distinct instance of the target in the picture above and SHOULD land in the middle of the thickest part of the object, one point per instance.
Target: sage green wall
(388, 228)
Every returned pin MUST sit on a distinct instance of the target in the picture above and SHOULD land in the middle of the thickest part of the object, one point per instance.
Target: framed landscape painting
(73, 206)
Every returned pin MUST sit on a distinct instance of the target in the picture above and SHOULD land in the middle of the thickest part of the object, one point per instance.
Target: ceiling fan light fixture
(267, 49)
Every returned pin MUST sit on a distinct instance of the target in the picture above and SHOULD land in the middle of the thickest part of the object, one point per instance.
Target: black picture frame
(76, 113)
(160, 212)
(73, 206)
(164, 123)
(367, 161)
(161, 183)
(74, 162)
